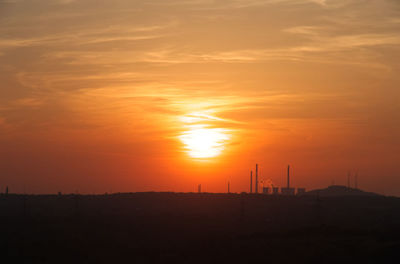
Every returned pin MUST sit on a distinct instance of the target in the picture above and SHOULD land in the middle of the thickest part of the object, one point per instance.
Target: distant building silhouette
(287, 191)
(301, 191)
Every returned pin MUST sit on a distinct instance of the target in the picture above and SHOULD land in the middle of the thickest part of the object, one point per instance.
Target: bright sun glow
(203, 142)
(203, 137)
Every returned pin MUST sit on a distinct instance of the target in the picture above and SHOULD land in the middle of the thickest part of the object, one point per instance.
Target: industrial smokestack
(251, 181)
(256, 178)
(288, 176)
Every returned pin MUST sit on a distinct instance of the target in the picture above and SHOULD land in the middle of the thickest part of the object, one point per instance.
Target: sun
(204, 142)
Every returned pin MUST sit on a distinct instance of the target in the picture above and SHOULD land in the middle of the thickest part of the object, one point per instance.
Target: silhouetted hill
(340, 190)
(198, 228)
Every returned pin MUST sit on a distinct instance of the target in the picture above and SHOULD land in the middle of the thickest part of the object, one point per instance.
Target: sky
(155, 95)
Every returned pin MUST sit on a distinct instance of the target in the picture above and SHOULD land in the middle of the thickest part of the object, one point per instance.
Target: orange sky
(101, 96)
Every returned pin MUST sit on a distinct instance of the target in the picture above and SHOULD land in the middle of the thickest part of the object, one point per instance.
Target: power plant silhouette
(271, 189)
(267, 186)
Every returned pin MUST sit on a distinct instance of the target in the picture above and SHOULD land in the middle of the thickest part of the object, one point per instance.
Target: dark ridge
(340, 190)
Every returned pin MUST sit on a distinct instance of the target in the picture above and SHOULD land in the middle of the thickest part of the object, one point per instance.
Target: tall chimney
(251, 181)
(256, 178)
(288, 176)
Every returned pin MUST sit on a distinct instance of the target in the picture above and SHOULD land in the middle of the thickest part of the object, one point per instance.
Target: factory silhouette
(267, 186)
(271, 189)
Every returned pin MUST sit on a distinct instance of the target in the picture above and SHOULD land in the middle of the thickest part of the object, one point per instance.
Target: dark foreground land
(198, 228)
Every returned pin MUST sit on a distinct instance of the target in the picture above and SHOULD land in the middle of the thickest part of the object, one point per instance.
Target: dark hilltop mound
(340, 190)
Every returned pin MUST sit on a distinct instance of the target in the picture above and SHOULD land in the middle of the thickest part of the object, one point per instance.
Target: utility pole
(348, 180)
(256, 178)
(356, 181)
(251, 181)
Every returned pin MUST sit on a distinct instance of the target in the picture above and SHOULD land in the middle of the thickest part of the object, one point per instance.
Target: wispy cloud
(172, 63)
(87, 36)
(28, 102)
(236, 4)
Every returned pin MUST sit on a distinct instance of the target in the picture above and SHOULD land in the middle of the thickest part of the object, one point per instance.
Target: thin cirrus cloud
(123, 71)
(87, 36)
(235, 4)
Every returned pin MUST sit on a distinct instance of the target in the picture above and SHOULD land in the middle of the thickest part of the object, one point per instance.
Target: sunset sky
(163, 95)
